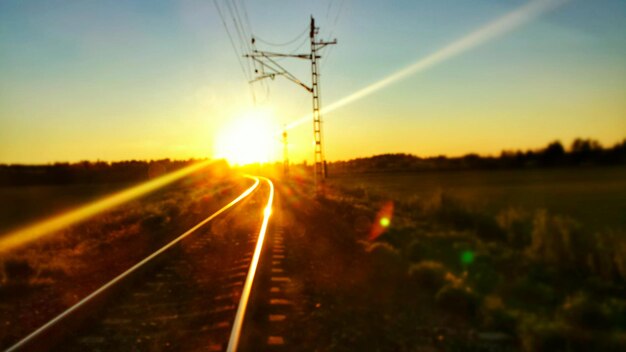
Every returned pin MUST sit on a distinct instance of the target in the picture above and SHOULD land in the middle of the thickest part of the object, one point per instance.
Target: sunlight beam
(492, 30)
(46, 227)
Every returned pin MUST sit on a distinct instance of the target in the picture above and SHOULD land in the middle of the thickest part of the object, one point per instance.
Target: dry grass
(523, 273)
(41, 279)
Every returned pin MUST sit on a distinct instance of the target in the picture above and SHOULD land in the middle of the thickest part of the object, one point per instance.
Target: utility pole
(320, 175)
(285, 153)
(269, 68)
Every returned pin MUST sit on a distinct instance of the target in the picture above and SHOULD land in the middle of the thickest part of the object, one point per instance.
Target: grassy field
(596, 197)
(467, 261)
(24, 204)
(41, 278)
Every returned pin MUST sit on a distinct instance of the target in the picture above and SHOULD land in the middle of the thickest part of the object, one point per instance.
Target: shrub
(18, 271)
(450, 211)
(617, 313)
(428, 275)
(445, 248)
(500, 319)
(398, 237)
(387, 270)
(153, 222)
(537, 335)
(385, 259)
(528, 293)
(483, 274)
(558, 241)
(608, 258)
(517, 225)
(582, 312)
(171, 210)
(620, 255)
(457, 300)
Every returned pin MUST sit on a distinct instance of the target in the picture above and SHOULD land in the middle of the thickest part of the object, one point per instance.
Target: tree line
(582, 152)
(87, 172)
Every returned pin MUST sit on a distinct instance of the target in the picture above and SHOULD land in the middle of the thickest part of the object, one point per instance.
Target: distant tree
(553, 154)
(617, 154)
(580, 145)
(585, 150)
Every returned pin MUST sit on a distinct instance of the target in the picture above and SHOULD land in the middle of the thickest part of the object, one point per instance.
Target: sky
(151, 79)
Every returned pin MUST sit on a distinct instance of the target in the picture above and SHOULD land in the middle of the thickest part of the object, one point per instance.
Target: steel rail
(44, 328)
(235, 333)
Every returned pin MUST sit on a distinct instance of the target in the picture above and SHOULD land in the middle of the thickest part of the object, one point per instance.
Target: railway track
(192, 294)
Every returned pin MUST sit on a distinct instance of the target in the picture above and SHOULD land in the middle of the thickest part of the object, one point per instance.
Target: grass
(30, 203)
(596, 197)
(40, 279)
(470, 261)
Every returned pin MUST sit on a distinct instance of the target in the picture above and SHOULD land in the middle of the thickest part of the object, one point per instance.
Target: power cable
(240, 33)
(232, 42)
(306, 29)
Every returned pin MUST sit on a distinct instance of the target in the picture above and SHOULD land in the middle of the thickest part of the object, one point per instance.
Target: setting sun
(248, 139)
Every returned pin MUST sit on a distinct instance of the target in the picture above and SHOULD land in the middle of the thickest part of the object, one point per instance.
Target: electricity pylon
(285, 153)
(270, 69)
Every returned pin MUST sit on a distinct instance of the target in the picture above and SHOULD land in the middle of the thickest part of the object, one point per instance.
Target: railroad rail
(164, 300)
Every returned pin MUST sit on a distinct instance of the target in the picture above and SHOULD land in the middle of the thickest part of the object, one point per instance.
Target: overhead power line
(302, 34)
(340, 9)
(271, 69)
(244, 47)
(230, 38)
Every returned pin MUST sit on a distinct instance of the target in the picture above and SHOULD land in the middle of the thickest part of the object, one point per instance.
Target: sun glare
(248, 139)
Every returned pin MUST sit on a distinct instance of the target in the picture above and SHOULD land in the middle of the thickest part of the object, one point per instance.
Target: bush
(529, 294)
(171, 210)
(543, 336)
(153, 223)
(453, 212)
(457, 300)
(582, 312)
(428, 275)
(385, 259)
(500, 319)
(387, 270)
(617, 313)
(483, 274)
(517, 225)
(558, 241)
(445, 248)
(609, 255)
(18, 271)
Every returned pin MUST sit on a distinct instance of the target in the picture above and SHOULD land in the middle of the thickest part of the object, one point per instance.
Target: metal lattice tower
(285, 153)
(319, 169)
(269, 68)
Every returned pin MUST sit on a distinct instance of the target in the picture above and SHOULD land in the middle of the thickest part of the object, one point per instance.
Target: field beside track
(595, 197)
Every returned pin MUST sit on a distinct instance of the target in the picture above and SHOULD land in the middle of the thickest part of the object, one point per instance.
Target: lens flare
(467, 257)
(490, 31)
(383, 220)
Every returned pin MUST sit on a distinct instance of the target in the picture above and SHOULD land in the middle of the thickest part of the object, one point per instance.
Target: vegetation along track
(189, 295)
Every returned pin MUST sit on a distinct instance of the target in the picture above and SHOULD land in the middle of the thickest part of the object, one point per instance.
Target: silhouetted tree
(553, 154)
(585, 150)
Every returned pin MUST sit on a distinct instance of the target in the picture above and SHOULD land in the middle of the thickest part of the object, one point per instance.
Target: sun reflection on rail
(247, 288)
